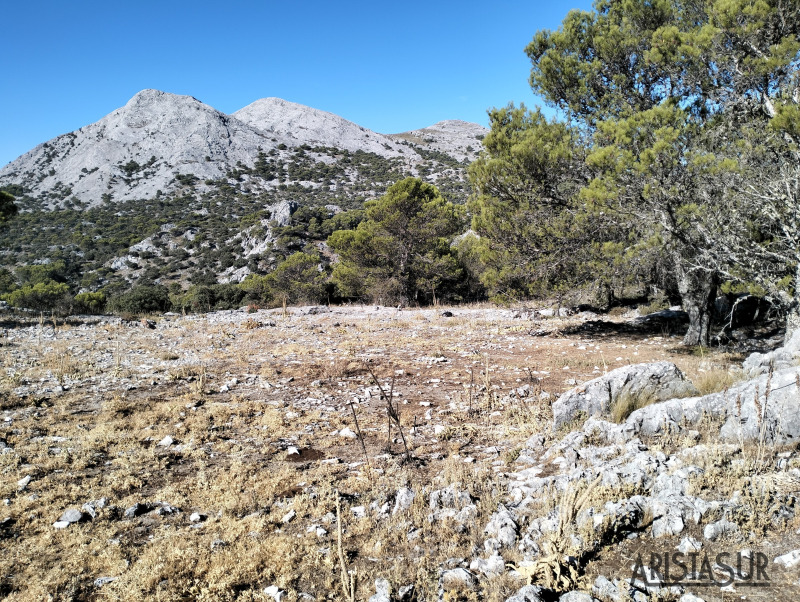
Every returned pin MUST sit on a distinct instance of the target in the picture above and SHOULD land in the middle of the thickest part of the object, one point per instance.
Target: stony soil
(235, 432)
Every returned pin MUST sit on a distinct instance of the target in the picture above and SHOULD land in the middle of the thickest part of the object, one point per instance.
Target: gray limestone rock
(490, 567)
(659, 381)
(459, 575)
(529, 593)
(780, 359)
(403, 500)
(383, 591)
(722, 527)
(575, 597)
(744, 408)
(503, 527)
(72, 515)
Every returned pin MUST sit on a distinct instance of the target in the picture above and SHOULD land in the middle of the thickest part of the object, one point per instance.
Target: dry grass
(716, 380)
(627, 403)
(297, 379)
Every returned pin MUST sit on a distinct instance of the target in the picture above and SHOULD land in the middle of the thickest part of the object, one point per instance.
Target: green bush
(298, 279)
(42, 296)
(202, 298)
(141, 300)
(90, 303)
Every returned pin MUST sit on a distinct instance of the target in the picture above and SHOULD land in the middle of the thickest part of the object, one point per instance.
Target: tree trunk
(793, 313)
(698, 289)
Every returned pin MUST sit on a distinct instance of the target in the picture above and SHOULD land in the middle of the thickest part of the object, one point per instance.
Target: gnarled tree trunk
(793, 312)
(698, 290)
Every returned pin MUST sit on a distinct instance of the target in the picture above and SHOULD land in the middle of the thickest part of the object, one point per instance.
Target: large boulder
(780, 359)
(657, 381)
(764, 408)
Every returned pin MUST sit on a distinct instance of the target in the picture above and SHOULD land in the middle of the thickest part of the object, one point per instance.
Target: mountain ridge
(158, 141)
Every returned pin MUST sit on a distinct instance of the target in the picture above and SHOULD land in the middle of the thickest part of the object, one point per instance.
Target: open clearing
(234, 432)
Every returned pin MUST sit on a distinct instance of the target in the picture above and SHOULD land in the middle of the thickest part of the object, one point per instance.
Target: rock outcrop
(657, 381)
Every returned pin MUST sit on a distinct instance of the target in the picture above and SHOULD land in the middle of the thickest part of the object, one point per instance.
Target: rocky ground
(254, 456)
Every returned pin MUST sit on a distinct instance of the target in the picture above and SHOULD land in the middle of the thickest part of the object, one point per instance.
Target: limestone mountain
(304, 125)
(169, 189)
(160, 143)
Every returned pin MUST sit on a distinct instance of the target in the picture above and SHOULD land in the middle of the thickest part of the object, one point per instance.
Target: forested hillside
(669, 174)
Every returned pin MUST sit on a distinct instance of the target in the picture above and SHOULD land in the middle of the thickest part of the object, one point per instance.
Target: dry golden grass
(229, 457)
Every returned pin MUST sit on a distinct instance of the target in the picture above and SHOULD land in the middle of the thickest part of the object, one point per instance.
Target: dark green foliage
(144, 299)
(298, 279)
(653, 94)
(41, 296)
(7, 281)
(203, 298)
(402, 251)
(7, 206)
(90, 303)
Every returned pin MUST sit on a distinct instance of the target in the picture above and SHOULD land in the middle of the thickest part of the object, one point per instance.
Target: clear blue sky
(388, 66)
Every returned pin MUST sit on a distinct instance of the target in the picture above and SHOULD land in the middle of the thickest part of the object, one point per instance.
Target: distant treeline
(672, 171)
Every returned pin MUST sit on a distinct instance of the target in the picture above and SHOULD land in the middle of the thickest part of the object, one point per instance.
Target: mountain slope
(169, 189)
(459, 139)
(304, 125)
(134, 152)
(160, 144)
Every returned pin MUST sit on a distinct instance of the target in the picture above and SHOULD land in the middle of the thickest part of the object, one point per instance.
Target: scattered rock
(714, 531)
(458, 576)
(789, 559)
(529, 593)
(689, 545)
(138, 509)
(383, 591)
(403, 500)
(347, 433)
(289, 517)
(491, 567)
(72, 515)
(405, 593)
(575, 597)
(502, 528)
(278, 594)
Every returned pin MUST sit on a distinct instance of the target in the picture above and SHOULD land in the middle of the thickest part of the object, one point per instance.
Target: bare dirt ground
(234, 432)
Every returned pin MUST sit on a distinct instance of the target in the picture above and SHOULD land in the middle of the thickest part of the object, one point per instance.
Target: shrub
(41, 296)
(140, 300)
(90, 303)
(203, 298)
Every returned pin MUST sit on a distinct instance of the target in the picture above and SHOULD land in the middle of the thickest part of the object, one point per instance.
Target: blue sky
(388, 66)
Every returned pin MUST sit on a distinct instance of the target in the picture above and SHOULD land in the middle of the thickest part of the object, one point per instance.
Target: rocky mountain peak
(158, 141)
(306, 125)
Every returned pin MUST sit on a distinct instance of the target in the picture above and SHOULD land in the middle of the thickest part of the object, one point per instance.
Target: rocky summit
(159, 144)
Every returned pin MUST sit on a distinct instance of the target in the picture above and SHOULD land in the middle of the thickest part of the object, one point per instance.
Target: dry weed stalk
(551, 569)
(391, 410)
(349, 578)
(760, 462)
(360, 434)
